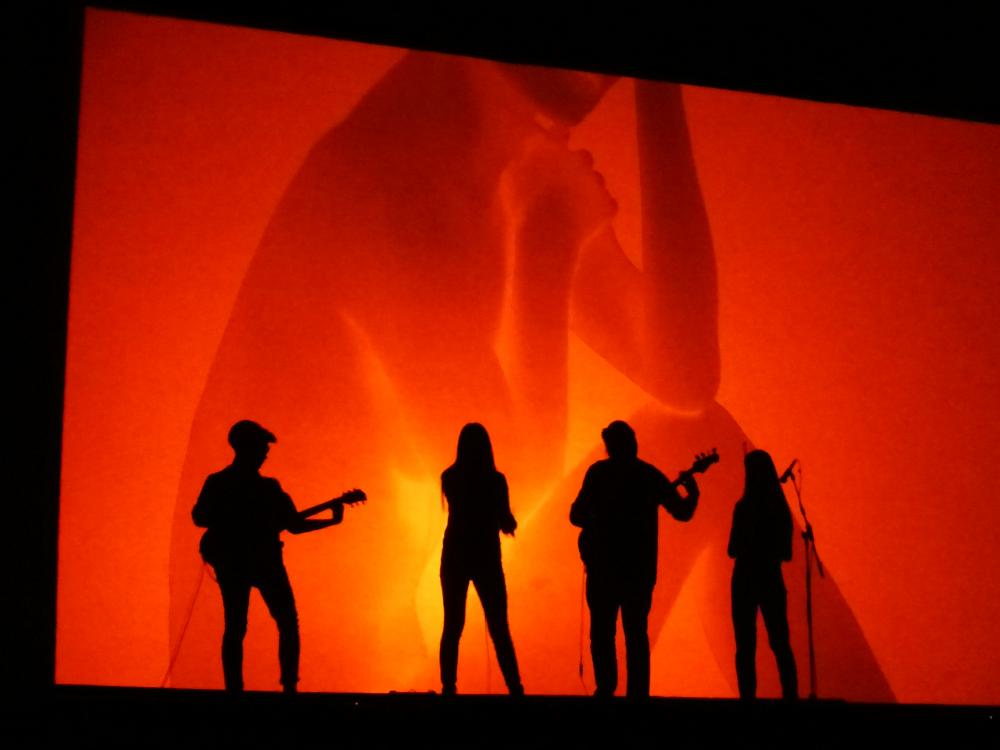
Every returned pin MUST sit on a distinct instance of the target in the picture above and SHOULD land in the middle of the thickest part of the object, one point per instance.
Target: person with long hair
(478, 509)
(759, 541)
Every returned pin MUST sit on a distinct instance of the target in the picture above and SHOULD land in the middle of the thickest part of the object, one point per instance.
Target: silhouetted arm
(553, 202)
(678, 256)
(581, 513)
(203, 513)
(300, 525)
(507, 522)
(658, 326)
(296, 523)
(681, 508)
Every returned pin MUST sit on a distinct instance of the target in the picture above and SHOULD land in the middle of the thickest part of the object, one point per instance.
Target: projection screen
(364, 248)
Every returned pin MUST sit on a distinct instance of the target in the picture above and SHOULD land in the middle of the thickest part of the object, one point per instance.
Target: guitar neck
(322, 506)
(700, 466)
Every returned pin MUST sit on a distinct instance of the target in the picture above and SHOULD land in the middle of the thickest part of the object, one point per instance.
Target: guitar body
(585, 543)
(208, 547)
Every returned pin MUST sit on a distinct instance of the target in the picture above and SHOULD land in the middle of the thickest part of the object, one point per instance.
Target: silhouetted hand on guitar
(351, 497)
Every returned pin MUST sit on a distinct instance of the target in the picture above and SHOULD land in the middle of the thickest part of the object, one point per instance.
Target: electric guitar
(211, 546)
(702, 462)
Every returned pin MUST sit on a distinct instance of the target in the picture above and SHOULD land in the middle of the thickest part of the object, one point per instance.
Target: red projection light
(364, 248)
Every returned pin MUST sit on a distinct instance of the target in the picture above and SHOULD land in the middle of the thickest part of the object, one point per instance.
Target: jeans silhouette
(235, 583)
(606, 595)
(486, 574)
(761, 587)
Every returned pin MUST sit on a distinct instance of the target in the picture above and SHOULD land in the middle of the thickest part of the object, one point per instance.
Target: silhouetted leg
(635, 617)
(454, 588)
(603, 603)
(276, 590)
(492, 590)
(235, 588)
(773, 605)
(745, 628)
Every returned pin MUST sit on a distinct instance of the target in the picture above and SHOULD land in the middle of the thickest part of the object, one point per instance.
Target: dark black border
(942, 65)
(928, 62)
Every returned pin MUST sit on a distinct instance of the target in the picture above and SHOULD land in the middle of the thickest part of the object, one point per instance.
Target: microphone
(788, 472)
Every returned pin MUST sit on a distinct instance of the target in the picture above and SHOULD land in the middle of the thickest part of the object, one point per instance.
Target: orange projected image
(363, 249)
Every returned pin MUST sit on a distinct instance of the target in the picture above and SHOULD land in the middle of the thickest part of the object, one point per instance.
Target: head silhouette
(619, 440)
(475, 452)
(251, 442)
(761, 483)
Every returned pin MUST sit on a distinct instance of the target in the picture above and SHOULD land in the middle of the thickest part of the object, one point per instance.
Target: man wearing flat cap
(244, 514)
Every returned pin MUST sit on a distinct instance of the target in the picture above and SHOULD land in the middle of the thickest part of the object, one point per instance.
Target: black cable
(583, 585)
(187, 621)
(486, 641)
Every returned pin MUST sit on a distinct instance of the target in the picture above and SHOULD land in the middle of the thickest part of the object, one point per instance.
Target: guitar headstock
(352, 497)
(703, 460)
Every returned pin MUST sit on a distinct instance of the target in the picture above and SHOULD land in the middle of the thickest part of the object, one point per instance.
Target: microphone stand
(810, 545)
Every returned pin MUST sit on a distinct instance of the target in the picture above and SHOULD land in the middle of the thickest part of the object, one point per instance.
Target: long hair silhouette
(478, 510)
(762, 487)
(475, 451)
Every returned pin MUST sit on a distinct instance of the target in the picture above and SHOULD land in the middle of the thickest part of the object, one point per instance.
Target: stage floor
(182, 719)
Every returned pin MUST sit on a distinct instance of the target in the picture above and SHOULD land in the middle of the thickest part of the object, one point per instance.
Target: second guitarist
(617, 511)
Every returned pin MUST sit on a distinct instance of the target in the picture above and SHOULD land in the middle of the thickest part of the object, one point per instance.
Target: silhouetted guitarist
(617, 510)
(245, 514)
